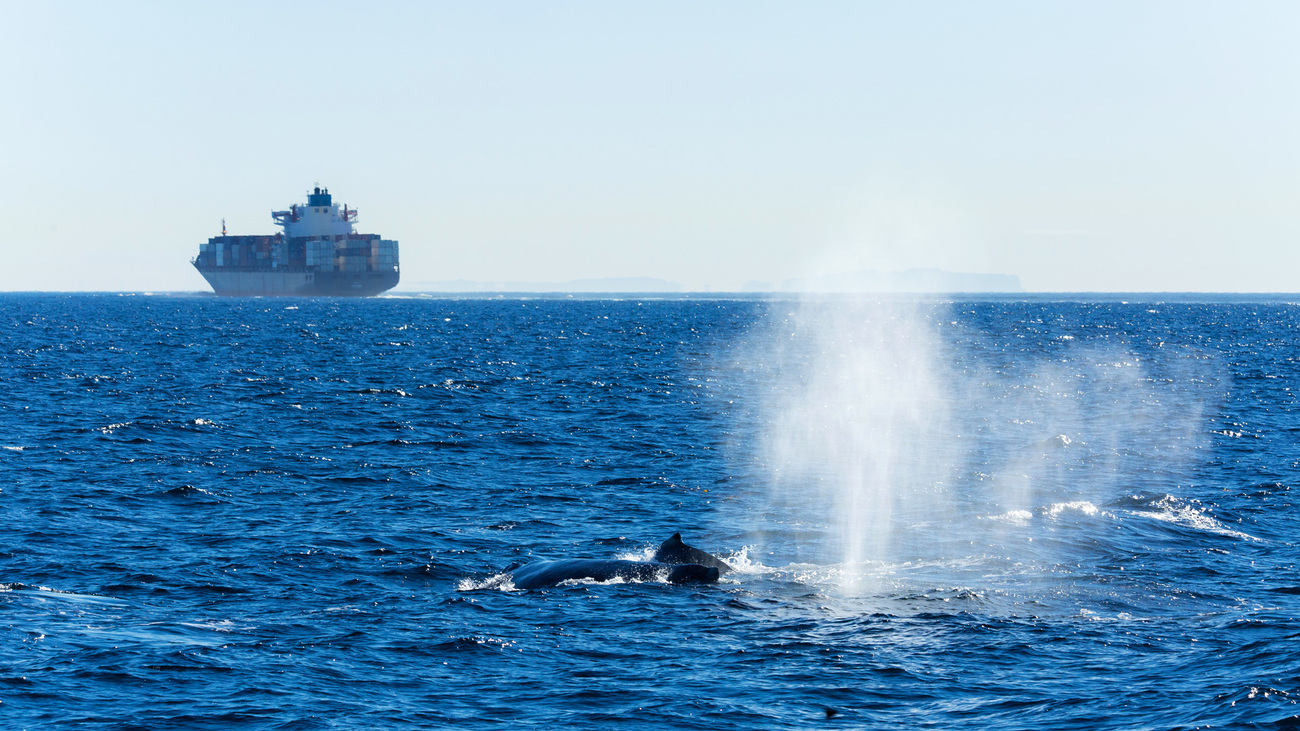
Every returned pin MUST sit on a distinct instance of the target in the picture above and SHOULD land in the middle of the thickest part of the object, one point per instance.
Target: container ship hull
(318, 254)
(233, 282)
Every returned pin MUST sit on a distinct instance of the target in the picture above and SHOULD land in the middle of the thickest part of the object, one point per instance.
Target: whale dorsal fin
(675, 551)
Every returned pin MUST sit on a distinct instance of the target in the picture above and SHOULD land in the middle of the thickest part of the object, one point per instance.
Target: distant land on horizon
(907, 281)
(616, 284)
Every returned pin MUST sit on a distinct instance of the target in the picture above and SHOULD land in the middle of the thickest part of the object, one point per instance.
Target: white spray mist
(855, 421)
(891, 435)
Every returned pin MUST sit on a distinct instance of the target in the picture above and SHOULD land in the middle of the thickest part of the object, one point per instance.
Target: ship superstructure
(318, 252)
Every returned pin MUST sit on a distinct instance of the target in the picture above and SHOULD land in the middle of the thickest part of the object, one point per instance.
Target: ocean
(1029, 512)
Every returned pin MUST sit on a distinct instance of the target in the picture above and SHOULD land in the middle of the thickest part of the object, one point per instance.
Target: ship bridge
(320, 218)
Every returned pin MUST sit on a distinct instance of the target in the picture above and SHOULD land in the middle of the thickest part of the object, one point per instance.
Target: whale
(673, 561)
(543, 574)
(674, 552)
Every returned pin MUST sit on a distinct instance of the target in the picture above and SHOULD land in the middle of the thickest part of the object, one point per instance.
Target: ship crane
(289, 216)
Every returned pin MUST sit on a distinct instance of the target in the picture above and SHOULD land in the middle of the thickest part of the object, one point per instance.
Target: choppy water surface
(288, 514)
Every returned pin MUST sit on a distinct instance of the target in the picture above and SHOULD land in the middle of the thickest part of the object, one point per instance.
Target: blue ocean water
(1030, 513)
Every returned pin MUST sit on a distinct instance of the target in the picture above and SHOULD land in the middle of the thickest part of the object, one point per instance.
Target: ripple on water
(302, 514)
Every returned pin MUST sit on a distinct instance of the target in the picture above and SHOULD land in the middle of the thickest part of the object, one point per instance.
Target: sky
(1081, 146)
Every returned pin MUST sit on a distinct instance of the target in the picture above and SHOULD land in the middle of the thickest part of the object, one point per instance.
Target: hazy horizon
(1106, 147)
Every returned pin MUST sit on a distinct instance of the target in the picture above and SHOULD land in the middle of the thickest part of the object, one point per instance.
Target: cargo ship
(317, 253)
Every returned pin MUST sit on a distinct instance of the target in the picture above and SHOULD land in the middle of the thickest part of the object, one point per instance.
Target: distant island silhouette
(909, 280)
(613, 284)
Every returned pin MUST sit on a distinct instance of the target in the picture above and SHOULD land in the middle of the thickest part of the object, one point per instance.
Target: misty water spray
(856, 417)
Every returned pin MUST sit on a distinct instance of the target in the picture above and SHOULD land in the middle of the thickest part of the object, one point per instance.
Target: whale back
(675, 552)
(542, 574)
(693, 573)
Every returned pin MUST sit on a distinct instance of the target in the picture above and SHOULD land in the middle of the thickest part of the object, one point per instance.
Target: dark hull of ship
(251, 282)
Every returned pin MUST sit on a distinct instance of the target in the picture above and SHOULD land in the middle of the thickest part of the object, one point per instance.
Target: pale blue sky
(1081, 146)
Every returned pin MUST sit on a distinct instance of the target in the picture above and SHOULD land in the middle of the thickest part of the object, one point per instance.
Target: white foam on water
(46, 593)
(741, 563)
(1173, 510)
(502, 582)
(499, 581)
(645, 553)
(1083, 506)
(1015, 517)
(218, 625)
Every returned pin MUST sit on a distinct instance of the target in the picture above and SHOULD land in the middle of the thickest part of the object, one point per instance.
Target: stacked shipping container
(353, 253)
